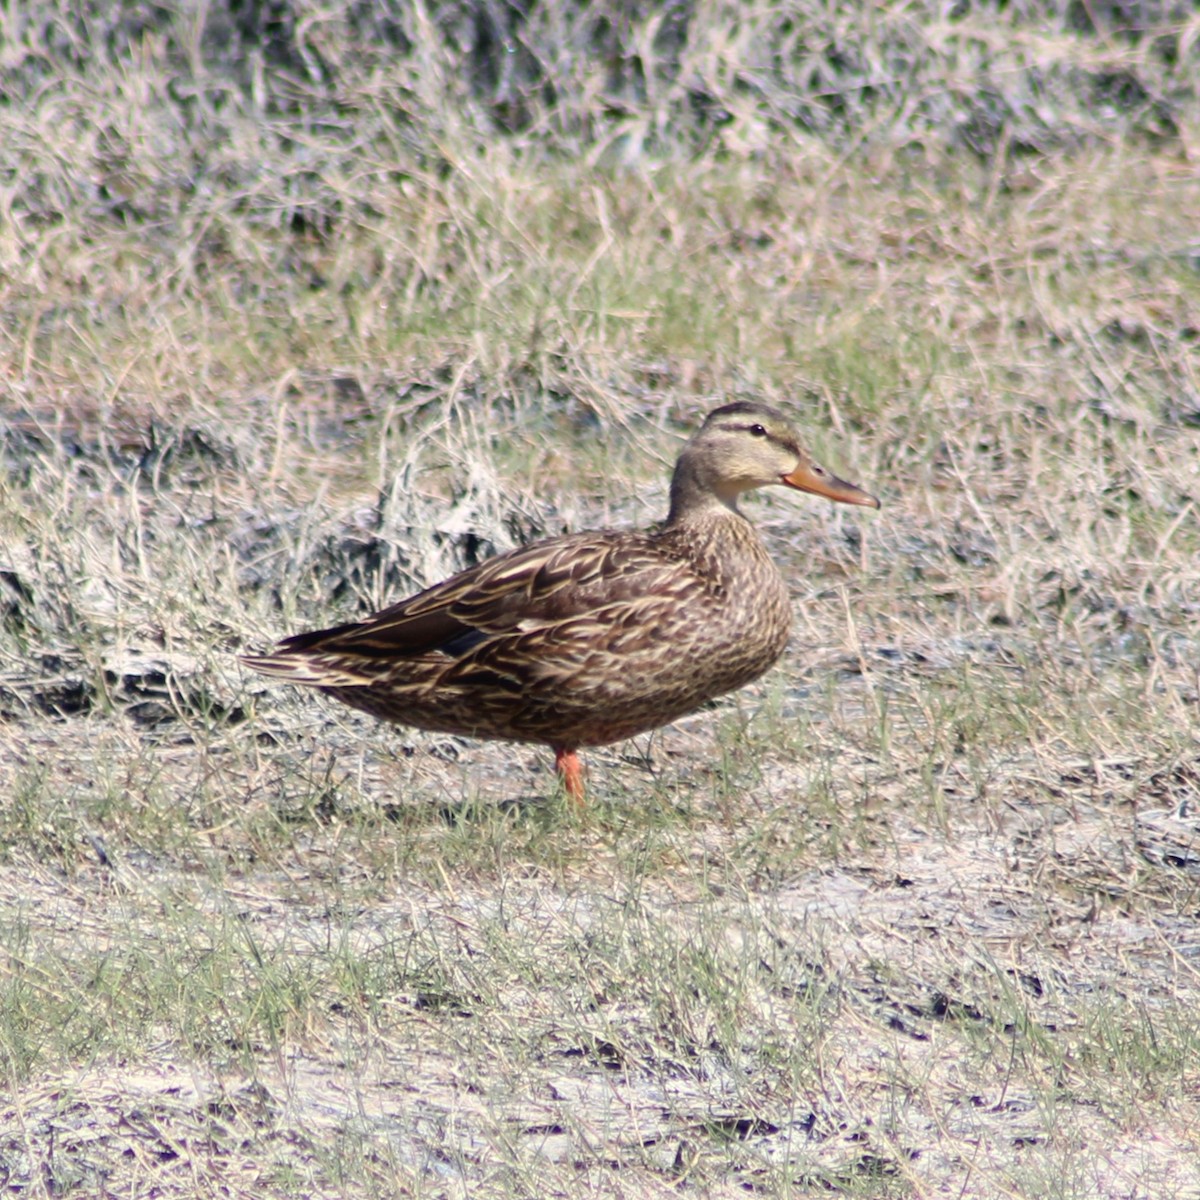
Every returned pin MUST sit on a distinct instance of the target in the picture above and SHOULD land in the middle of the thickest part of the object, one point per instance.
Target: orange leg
(570, 771)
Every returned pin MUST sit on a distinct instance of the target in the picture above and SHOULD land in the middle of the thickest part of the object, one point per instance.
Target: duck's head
(747, 445)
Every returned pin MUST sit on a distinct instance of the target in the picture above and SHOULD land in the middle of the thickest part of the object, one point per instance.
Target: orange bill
(809, 477)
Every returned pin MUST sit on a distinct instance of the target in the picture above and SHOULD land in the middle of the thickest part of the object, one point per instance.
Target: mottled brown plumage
(586, 639)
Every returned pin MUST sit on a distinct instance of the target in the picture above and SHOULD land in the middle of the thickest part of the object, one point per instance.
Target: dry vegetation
(301, 306)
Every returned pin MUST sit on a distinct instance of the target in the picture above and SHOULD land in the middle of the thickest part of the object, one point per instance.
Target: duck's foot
(570, 772)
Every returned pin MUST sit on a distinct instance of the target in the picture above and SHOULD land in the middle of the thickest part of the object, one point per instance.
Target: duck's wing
(539, 587)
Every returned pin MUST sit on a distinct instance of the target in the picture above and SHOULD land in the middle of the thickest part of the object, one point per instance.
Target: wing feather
(583, 585)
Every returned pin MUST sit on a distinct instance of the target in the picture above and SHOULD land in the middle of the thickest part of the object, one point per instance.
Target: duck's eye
(758, 431)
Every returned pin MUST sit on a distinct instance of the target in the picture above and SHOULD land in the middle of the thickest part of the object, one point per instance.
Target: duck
(588, 638)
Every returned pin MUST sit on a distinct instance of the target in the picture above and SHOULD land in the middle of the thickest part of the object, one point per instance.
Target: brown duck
(589, 638)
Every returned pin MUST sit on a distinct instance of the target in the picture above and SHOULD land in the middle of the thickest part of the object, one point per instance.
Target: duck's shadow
(512, 809)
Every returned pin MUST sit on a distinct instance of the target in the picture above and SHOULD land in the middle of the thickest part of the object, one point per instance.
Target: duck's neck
(693, 497)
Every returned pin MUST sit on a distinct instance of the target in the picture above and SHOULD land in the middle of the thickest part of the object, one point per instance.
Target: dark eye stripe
(765, 433)
(783, 442)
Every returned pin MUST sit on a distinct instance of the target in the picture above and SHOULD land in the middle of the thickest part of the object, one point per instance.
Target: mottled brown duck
(589, 638)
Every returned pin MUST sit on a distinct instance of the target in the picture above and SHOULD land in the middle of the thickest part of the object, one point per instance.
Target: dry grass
(915, 917)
